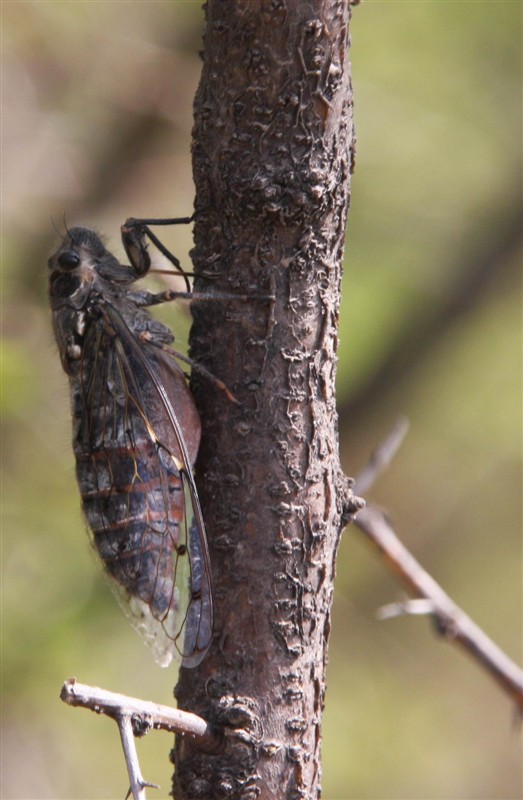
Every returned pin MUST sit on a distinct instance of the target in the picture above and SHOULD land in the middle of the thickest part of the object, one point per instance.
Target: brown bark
(273, 147)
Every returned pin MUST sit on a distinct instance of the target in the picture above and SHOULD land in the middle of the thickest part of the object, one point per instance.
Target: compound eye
(69, 259)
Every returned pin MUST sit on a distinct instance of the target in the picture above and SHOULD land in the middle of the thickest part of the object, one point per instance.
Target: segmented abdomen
(133, 500)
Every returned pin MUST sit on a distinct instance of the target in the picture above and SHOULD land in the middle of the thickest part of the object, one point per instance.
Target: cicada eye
(69, 259)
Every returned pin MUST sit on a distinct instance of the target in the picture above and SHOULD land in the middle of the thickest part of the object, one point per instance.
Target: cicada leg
(134, 233)
(154, 299)
(146, 337)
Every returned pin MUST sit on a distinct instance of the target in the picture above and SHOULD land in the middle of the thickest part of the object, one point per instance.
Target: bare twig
(136, 718)
(138, 784)
(382, 456)
(405, 606)
(450, 620)
(145, 715)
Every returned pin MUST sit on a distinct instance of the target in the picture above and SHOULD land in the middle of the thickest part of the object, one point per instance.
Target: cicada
(136, 433)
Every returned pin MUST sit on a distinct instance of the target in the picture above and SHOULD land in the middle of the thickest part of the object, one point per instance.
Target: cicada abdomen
(136, 433)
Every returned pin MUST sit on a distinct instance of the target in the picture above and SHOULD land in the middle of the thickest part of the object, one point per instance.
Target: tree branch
(146, 715)
(272, 155)
(136, 718)
(450, 620)
(138, 784)
(382, 456)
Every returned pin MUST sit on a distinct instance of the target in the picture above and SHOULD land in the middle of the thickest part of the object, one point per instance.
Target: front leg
(133, 238)
(134, 233)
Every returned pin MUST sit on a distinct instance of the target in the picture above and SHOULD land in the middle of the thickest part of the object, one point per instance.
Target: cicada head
(81, 272)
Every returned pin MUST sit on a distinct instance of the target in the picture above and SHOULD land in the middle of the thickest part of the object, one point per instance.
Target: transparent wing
(138, 491)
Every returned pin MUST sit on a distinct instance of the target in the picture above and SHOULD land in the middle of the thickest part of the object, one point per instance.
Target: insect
(136, 433)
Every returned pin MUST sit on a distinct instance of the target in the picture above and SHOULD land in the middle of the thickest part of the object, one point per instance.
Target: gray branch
(451, 621)
(430, 599)
(135, 718)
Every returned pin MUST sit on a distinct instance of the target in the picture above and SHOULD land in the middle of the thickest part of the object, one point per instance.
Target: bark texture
(273, 149)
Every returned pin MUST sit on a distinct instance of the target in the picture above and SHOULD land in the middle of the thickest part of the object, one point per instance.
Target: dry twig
(136, 718)
(450, 620)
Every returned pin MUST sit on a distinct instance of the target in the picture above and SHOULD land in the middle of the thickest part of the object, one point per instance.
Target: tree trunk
(273, 149)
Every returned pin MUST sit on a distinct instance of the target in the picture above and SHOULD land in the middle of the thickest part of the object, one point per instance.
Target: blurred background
(97, 112)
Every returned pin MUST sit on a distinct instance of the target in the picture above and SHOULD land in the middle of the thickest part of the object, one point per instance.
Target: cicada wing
(140, 498)
(198, 622)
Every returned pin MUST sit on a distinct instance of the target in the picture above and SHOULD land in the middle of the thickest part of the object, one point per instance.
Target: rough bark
(273, 149)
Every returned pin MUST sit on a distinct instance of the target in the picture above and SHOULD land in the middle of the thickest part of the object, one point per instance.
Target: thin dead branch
(381, 457)
(135, 718)
(138, 784)
(430, 599)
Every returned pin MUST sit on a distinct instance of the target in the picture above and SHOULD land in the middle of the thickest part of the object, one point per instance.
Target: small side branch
(135, 718)
(429, 597)
(145, 715)
(381, 457)
(450, 620)
(138, 784)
